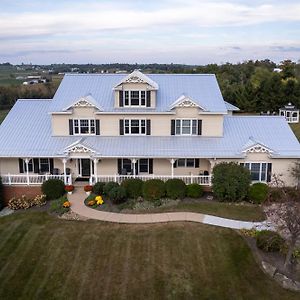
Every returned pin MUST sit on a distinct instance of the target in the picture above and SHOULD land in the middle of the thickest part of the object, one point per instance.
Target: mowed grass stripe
(6, 232)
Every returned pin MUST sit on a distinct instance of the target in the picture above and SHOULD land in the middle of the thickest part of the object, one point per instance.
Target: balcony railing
(292, 119)
(188, 179)
(32, 179)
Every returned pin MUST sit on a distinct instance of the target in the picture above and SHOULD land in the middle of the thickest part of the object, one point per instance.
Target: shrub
(275, 194)
(269, 241)
(175, 188)
(24, 203)
(133, 187)
(153, 189)
(53, 189)
(194, 190)
(69, 188)
(1, 194)
(117, 194)
(109, 186)
(57, 206)
(230, 182)
(258, 192)
(98, 188)
(88, 188)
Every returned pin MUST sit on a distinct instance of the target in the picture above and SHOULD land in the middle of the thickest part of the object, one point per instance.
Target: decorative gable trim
(258, 148)
(185, 101)
(138, 77)
(86, 101)
(78, 147)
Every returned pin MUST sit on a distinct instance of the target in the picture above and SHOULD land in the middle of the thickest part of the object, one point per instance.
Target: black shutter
(121, 104)
(51, 165)
(97, 127)
(199, 127)
(175, 164)
(119, 165)
(137, 168)
(150, 166)
(148, 127)
(148, 99)
(36, 165)
(71, 127)
(269, 172)
(197, 162)
(21, 166)
(172, 127)
(121, 127)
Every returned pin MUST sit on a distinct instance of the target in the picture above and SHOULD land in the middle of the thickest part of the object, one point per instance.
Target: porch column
(95, 169)
(64, 161)
(134, 170)
(27, 171)
(172, 162)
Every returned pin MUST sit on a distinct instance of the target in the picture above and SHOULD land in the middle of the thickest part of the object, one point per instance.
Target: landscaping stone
(6, 211)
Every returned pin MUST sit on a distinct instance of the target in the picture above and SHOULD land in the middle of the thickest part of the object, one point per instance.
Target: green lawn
(42, 257)
(296, 128)
(220, 209)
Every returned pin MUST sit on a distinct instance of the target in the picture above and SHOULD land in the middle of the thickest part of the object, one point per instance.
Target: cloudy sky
(178, 31)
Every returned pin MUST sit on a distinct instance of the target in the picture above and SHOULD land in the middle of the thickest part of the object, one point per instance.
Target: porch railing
(32, 179)
(292, 119)
(188, 179)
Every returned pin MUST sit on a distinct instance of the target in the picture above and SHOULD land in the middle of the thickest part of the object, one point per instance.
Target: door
(85, 167)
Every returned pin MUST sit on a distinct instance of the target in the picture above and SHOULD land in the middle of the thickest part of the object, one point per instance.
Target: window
(44, 165)
(185, 163)
(186, 127)
(259, 171)
(41, 165)
(134, 126)
(135, 98)
(144, 165)
(84, 126)
(126, 165)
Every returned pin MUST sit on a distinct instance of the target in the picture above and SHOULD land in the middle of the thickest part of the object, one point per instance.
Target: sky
(148, 31)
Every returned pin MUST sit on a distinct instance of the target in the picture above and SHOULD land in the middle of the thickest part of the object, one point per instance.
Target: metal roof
(202, 88)
(231, 107)
(26, 132)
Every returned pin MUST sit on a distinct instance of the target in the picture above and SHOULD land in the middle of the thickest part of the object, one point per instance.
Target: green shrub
(269, 241)
(53, 189)
(117, 194)
(153, 189)
(133, 187)
(258, 192)
(98, 188)
(230, 182)
(56, 206)
(109, 186)
(1, 194)
(194, 190)
(175, 188)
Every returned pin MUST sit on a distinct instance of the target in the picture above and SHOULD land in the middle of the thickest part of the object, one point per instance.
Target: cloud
(285, 48)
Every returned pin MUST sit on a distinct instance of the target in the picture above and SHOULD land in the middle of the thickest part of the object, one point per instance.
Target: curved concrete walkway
(78, 207)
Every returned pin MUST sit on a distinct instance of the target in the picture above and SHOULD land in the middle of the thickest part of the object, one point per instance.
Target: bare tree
(295, 172)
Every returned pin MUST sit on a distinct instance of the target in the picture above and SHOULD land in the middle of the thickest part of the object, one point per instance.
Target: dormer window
(135, 98)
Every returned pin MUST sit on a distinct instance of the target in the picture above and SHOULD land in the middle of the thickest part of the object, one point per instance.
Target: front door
(85, 167)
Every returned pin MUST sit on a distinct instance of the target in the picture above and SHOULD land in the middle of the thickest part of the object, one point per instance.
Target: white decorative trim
(258, 148)
(86, 101)
(185, 101)
(83, 103)
(80, 149)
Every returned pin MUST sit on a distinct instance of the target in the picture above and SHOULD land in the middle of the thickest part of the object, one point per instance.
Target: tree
(295, 172)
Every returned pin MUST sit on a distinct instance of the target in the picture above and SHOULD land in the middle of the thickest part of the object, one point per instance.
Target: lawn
(42, 257)
(296, 129)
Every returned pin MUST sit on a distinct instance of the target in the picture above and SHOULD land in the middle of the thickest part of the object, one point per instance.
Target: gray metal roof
(202, 88)
(231, 107)
(26, 132)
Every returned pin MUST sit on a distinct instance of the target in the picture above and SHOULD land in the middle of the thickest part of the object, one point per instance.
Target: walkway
(78, 207)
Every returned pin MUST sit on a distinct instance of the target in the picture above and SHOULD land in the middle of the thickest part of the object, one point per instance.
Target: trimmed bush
(133, 187)
(98, 188)
(269, 241)
(230, 182)
(108, 187)
(117, 194)
(154, 189)
(194, 190)
(258, 192)
(53, 189)
(175, 188)
(1, 194)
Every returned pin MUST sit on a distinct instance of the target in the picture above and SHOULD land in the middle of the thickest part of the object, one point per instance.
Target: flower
(66, 204)
(88, 188)
(99, 200)
(69, 188)
(91, 202)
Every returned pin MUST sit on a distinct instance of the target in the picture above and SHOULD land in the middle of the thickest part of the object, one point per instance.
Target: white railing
(32, 179)
(188, 179)
(292, 119)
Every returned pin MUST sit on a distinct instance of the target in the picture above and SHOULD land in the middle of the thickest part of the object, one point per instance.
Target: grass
(42, 257)
(3, 114)
(296, 129)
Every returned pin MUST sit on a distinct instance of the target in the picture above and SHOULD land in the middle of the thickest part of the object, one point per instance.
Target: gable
(253, 146)
(86, 102)
(185, 101)
(78, 147)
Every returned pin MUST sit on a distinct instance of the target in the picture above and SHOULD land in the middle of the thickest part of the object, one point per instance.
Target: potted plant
(88, 189)
(69, 189)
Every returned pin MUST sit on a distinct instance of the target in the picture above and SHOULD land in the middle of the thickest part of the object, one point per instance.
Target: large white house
(104, 127)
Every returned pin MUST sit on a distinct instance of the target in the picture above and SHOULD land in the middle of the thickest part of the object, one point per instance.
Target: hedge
(154, 189)
(194, 190)
(175, 188)
(258, 192)
(53, 188)
(133, 187)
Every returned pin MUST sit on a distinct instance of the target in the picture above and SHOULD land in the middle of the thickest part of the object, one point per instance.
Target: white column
(64, 161)
(27, 171)
(172, 162)
(95, 168)
(134, 170)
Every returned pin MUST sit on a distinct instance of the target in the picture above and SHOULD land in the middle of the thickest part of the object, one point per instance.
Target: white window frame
(90, 126)
(129, 98)
(48, 164)
(260, 169)
(185, 163)
(180, 121)
(130, 126)
(32, 165)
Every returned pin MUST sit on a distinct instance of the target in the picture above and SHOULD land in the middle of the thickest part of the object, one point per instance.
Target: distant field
(296, 129)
